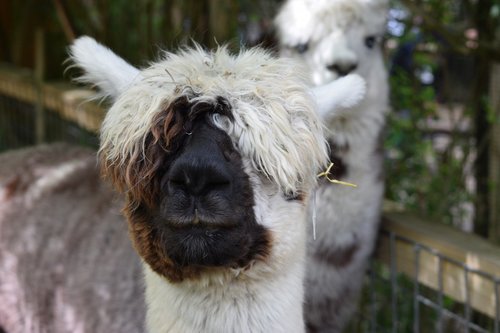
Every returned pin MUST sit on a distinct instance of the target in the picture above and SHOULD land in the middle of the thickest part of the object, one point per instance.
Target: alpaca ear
(343, 93)
(103, 68)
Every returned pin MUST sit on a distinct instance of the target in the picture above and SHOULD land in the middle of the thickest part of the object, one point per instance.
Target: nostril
(333, 67)
(178, 178)
(342, 69)
(198, 179)
(177, 183)
(352, 67)
(216, 182)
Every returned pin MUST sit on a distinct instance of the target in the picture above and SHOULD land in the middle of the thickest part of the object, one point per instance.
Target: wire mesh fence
(394, 302)
(32, 112)
(18, 126)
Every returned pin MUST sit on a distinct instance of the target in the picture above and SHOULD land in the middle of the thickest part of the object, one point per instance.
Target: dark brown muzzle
(205, 215)
(207, 209)
(205, 183)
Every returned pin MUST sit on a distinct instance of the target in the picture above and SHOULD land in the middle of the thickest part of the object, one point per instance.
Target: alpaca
(334, 38)
(66, 263)
(215, 156)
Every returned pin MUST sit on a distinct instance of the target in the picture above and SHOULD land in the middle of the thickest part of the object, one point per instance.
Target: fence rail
(69, 101)
(461, 266)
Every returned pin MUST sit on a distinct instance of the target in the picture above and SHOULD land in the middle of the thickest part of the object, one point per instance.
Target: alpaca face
(215, 154)
(196, 211)
(334, 37)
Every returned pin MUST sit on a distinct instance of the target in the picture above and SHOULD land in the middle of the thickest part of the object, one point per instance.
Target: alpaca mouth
(181, 251)
(209, 245)
(223, 218)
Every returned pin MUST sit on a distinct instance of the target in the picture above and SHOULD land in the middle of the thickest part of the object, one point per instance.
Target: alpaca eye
(301, 48)
(370, 41)
(293, 196)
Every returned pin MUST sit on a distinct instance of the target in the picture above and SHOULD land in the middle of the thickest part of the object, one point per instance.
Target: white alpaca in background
(216, 156)
(334, 38)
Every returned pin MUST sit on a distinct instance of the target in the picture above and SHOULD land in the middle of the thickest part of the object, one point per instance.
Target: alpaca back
(66, 263)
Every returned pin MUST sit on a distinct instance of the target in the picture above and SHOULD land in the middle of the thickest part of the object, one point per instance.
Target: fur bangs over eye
(280, 135)
(269, 117)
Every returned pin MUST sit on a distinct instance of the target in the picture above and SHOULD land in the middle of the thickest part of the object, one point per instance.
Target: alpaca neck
(242, 303)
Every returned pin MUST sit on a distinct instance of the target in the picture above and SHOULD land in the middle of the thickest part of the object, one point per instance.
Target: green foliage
(423, 176)
(429, 148)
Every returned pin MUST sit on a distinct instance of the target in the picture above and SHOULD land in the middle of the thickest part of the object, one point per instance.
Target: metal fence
(18, 126)
(415, 287)
(33, 112)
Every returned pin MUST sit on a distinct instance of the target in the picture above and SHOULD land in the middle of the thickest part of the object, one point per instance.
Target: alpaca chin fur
(320, 33)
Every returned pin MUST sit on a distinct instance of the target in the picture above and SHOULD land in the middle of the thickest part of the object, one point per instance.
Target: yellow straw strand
(326, 174)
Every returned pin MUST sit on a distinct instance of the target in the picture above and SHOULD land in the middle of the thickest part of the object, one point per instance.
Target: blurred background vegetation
(442, 143)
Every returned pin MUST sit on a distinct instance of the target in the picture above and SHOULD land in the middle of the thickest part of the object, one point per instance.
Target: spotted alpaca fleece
(334, 38)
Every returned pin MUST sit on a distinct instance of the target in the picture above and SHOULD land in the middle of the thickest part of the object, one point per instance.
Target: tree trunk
(482, 125)
(495, 155)
(223, 21)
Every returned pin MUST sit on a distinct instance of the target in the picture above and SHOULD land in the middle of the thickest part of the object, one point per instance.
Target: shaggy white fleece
(332, 38)
(280, 139)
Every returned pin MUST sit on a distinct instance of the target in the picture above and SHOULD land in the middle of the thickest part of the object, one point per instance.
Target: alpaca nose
(199, 177)
(203, 183)
(202, 167)
(342, 69)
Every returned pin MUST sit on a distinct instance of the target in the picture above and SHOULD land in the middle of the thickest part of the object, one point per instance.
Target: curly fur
(325, 35)
(274, 128)
(249, 82)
